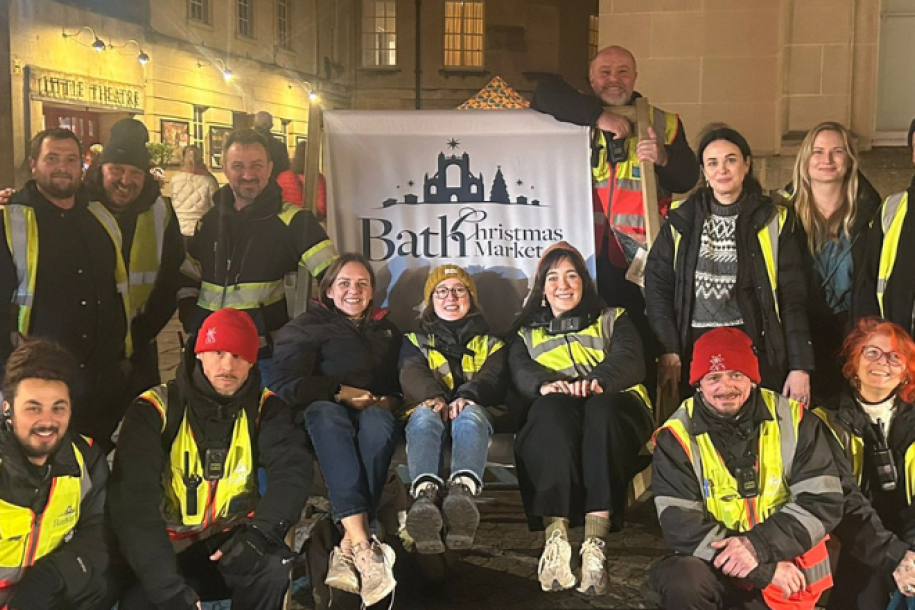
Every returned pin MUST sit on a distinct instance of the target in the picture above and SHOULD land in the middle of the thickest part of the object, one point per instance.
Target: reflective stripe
(319, 257)
(629, 220)
(146, 254)
(191, 268)
(18, 237)
(810, 523)
(240, 296)
(705, 550)
(662, 503)
(480, 348)
(892, 218)
(629, 184)
(142, 277)
(188, 293)
(817, 485)
(817, 571)
(788, 431)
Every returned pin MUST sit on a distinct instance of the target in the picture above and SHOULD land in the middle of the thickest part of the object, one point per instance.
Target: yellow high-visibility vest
(892, 217)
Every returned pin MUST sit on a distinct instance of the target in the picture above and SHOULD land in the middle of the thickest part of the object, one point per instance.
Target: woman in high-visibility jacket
(874, 422)
(834, 205)
(580, 363)
(452, 373)
(729, 256)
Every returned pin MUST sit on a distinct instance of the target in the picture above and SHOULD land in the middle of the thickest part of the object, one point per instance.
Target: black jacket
(487, 388)
(322, 349)
(77, 303)
(85, 555)
(163, 301)
(669, 294)
(783, 535)
(899, 296)
(847, 418)
(623, 365)
(557, 98)
(254, 245)
(136, 491)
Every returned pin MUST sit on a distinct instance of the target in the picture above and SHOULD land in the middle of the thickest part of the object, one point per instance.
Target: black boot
(424, 521)
(461, 516)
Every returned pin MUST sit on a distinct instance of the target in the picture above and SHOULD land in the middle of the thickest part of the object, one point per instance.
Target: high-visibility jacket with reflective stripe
(481, 348)
(892, 217)
(220, 502)
(618, 201)
(768, 243)
(852, 443)
(575, 354)
(22, 238)
(26, 537)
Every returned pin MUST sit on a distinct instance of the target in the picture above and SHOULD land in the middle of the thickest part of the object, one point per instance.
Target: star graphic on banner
(519, 182)
(452, 143)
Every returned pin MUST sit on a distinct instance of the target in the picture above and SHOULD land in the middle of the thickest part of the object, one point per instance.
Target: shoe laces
(592, 553)
(552, 552)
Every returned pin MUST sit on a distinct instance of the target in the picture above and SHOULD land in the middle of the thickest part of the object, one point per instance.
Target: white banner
(486, 190)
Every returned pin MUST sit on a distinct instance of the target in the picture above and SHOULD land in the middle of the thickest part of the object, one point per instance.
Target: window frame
(204, 8)
(375, 33)
(593, 36)
(248, 19)
(456, 35)
(284, 24)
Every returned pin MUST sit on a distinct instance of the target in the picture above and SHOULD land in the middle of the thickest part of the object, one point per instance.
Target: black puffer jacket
(669, 285)
(322, 349)
(487, 388)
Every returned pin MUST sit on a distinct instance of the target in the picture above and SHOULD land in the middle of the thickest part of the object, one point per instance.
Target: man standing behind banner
(615, 155)
(247, 243)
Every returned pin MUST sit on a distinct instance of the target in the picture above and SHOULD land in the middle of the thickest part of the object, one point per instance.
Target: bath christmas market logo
(469, 225)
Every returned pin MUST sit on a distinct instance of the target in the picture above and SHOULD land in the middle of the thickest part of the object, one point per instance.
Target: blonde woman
(193, 189)
(834, 204)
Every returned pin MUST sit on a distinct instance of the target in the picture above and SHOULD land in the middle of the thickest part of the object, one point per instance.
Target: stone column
(7, 168)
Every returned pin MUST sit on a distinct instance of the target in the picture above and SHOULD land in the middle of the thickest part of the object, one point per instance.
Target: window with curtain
(245, 18)
(463, 34)
(379, 33)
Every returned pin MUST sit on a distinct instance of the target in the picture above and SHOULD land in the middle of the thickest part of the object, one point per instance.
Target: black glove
(186, 599)
(249, 550)
(37, 589)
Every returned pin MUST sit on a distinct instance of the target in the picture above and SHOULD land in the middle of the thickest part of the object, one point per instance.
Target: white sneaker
(375, 564)
(341, 570)
(554, 571)
(594, 579)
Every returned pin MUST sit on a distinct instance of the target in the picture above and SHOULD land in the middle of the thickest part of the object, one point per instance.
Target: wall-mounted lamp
(98, 44)
(312, 92)
(142, 57)
(221, 65)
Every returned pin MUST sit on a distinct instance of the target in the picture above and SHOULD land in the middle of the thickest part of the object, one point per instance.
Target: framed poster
(178, 134)
(218, 135)
(300, 139)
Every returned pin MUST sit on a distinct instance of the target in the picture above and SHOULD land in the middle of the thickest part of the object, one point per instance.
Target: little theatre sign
(80, 89)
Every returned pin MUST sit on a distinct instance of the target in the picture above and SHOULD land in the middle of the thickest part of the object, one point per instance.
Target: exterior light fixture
(98, 44)
(142, 57)
(226, 72)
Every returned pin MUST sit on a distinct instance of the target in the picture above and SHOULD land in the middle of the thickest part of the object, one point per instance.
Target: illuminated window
(379, 33)
(245, 18)
(593, 31)
(283, 31)
(199, 10)
(197, 127)
(464, 34)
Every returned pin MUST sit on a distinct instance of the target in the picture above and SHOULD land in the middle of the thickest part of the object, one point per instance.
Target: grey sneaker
(554, 571)
(424, 522)
(594, 578)
(341, 571)
(375, 565)
(461, 517)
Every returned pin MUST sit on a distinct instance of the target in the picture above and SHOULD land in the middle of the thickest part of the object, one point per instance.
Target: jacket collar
(690, 216)
(704, 419)
(29, 195)
(15, 463)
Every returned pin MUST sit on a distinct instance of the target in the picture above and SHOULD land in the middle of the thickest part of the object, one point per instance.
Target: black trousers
(99, 402)
(260, 590)
(576, 456)
(859, 587)
(689, 583)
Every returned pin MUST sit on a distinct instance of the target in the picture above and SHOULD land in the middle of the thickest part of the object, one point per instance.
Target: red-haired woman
(874, 422)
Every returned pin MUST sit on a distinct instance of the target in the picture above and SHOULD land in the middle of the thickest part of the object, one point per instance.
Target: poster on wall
(217, 137)
(176, 133)
(488, 191)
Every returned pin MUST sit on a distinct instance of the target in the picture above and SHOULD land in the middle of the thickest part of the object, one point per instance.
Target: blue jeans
(354, 450)
(426, 434)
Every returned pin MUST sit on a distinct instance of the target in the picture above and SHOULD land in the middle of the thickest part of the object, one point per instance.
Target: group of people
(784, 322)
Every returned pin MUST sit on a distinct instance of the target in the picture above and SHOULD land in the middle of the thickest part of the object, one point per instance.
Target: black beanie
(127, 145)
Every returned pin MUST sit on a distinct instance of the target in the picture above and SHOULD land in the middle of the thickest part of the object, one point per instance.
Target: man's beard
(56, 191)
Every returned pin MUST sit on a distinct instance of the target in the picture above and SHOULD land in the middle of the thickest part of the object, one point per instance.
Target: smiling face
(58, 169)
(351, 291)
(226, 371)
(880, 368)
(122, 183)
(612, 76)
(247, 168)
(829, 160)
(563, 287)
(39, 417)
(451, 299)
(725, 391)
(725, 168)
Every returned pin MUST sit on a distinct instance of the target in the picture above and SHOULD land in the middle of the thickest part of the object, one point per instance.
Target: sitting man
(184, 498)
(52, 489)
(745, 487)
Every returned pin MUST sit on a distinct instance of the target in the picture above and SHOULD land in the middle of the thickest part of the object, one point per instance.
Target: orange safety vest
(815, 565)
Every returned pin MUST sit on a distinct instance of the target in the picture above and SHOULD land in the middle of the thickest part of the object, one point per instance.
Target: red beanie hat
(723, 349)
(229, 330)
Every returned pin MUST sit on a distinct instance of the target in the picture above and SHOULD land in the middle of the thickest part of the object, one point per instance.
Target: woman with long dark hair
(580, 364)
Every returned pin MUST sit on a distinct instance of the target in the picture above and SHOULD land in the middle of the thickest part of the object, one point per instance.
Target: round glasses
(872, 353)
(441, 293)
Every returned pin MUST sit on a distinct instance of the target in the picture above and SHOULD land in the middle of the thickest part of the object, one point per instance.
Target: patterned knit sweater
(716, 269)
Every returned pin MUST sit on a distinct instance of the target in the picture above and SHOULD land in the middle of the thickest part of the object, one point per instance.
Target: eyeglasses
(441, 293)
(872, 353)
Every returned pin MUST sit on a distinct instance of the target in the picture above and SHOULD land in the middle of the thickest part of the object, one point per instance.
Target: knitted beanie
(127, 145)
(444, 272)
(229, 330)
(723, 349)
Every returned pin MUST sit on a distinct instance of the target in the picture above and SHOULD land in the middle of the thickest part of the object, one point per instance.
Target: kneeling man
(52, 489)
(184, 498)
(745, 487)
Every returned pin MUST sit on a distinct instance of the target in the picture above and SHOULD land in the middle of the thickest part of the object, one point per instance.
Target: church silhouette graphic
(455, 183)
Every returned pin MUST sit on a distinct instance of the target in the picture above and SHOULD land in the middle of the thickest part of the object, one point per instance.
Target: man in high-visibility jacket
(247, 243)
(746, 490)
(184, 497)
(61, 273)
(143, 223)
(53, 554)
